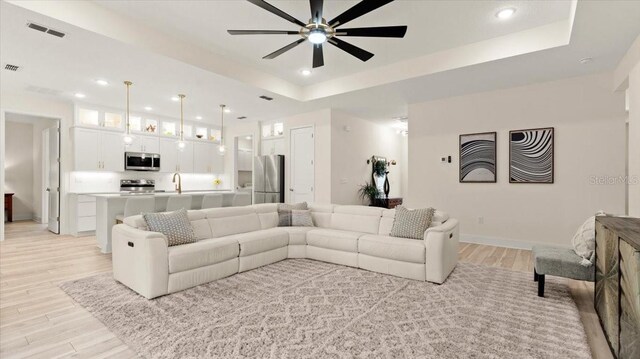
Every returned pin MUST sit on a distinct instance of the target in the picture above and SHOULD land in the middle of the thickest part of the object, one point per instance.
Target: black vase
(387, 186)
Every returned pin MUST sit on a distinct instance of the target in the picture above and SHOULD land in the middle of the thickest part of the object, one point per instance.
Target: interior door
(54, 180)
(302, 146)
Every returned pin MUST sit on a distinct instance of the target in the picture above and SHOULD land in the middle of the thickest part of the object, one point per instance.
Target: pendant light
(221, 148)
(127, 138)
(181, 143)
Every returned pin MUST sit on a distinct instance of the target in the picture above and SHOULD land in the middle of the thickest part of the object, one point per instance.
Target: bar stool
(137, 205)
(241, 199)
(212, 200)
(227, 199)
(178, 202)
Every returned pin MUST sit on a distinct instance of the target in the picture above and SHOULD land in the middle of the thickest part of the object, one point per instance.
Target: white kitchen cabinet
(203, 157)
(273, 146)
(185, 158)
(144, 144)
(217, 161)
(168, 155)
(174, 160)
(82, 214)
(96, 150)
(112, 151)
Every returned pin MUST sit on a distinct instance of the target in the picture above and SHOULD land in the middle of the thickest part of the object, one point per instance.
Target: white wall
(589, 144)
(634, 141)
(18, 168)
(353, 141)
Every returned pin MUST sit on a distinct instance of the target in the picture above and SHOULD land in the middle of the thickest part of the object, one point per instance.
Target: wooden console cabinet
(617, 287)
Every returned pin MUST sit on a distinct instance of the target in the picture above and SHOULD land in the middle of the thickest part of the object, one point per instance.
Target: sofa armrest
(140, 260)
(441, 243)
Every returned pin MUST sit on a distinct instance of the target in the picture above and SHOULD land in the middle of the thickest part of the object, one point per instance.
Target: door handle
(48, 189)
(291, 189)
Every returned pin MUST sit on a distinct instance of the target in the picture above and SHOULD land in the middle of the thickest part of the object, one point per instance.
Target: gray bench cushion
(561, 262)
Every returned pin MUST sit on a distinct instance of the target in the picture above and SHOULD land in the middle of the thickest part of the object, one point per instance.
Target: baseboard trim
(500, 242)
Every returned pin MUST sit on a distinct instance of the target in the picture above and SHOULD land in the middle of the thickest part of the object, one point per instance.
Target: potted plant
(380, 168)
(369, 191)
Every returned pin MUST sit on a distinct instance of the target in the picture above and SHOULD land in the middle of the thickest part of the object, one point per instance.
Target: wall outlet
(480, 220)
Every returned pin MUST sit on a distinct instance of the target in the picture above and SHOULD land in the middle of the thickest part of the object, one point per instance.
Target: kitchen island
(109, 205)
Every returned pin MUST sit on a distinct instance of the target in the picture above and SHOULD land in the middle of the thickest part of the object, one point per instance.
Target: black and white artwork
(478, 157)
(531, 156)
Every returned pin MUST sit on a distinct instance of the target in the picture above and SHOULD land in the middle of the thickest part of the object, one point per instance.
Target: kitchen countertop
(155, 194)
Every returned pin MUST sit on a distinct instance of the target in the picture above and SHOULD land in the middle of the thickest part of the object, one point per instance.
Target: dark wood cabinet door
(606, 288)
(629, 302)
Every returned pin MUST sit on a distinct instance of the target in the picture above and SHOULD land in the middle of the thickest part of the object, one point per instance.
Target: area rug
(301, 308)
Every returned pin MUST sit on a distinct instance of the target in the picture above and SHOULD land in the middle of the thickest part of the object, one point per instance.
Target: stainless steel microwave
(140, 161)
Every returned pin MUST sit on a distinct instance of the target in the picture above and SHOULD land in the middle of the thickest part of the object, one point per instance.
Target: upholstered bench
(560, 262)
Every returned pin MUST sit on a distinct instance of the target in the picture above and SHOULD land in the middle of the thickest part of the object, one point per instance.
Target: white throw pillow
(584, 241)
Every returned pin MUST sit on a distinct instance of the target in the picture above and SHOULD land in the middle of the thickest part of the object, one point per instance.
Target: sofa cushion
(346, 241)
(321, 214)
(174, 225)
(388, 216)
(356, 218)
(301, 218)
(202, 253)
(411, 223)
(285, 213)
(400, 249)
(268, 214)
(232, 220)
(297, 235)
(260, 241)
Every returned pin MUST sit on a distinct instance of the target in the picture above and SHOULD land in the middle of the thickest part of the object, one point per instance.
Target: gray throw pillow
(174, 225)
(301, 218)
(411, 223)
(284, 212)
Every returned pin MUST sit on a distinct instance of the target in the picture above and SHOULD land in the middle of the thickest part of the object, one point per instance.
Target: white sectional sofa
(238, 239)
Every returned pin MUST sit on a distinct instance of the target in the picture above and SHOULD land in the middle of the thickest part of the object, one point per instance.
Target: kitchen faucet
(179, 185)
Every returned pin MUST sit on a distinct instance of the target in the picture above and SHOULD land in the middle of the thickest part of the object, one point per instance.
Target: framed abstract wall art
(478, 158)
(531, 155)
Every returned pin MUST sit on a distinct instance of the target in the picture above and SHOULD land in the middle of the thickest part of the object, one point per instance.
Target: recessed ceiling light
(148, 108)
(198, 117)
(227, 110)
(102, 82)
(80, 95)
(248, 137)
(505, 13)
(305, 72)
(586, 60)
(175, 98)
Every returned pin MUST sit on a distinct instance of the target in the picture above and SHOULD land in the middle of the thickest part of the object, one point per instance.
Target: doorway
(32, 170)
(302, 150)
(243, 151)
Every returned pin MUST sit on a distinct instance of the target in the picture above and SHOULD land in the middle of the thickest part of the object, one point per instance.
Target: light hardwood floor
(37, 319)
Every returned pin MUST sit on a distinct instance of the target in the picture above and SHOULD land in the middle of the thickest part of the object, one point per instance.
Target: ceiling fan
(318, 30)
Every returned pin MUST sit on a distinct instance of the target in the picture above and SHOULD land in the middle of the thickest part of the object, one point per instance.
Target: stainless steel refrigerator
(268, 182)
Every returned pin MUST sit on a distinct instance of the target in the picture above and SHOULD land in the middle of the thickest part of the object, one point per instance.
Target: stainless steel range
(137, 186)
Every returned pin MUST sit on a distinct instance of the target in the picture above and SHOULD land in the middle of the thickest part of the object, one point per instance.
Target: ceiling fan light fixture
(317, 36)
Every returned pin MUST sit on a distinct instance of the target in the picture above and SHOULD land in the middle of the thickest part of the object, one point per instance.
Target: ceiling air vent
(11, 67)
(267, 98)
(242, 117)
(37, 27)
(55, 33)
(45, 29)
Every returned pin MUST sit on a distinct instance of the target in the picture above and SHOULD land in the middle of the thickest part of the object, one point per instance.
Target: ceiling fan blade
(316, 10)
(351, 49)
(359, 9)
(281, 51)
(274, 10)
(382, 31)
(318, 58)
(262, 32)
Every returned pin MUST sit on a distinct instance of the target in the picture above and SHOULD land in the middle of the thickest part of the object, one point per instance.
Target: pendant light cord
(181, 118)
(128, 83)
